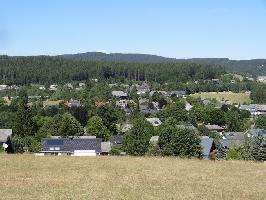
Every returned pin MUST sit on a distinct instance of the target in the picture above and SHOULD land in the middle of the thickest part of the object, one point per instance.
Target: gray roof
(253, 107)
(87, 137)
(70, 145)
(178, 93)
(234, 138)
(106, 147)
(234, 135)
(206, 144)
(149, 111)
(116, 139)
(4, 133)
(186, 126)
(206, 102)
(257, 132)
(74, 103)
(225, 143)
(119, 94)
(214, 127)
(77, 137)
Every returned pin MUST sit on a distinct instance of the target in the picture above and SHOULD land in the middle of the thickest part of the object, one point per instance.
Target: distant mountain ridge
(254, 67)
(119, 57)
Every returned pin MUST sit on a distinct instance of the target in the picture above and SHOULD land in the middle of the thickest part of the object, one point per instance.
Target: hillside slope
(254, 67)
(48, 178)
(49, 69)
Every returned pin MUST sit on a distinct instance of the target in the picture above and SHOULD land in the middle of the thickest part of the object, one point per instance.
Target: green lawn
(51, 103)
(241, 98)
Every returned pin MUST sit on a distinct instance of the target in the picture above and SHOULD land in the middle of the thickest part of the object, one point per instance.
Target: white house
(261, 78)
(53, 87)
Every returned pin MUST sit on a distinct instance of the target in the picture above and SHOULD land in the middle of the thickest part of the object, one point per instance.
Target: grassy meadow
(45, 178)
(243, 97)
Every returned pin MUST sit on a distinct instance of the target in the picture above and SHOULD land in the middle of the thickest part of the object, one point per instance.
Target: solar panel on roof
(55, 142)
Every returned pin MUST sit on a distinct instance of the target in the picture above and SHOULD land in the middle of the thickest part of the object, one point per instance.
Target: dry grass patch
(29, 177)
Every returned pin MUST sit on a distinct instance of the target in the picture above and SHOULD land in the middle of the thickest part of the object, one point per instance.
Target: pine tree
(259, 148)
(24, 125)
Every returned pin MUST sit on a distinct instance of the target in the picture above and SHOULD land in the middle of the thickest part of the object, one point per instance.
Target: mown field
(114, 178)
(243, 97)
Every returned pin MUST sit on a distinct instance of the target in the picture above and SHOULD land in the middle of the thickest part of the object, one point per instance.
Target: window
(55, 142)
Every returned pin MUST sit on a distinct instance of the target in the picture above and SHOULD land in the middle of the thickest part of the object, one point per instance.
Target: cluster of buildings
(92, 146)
(254, 109)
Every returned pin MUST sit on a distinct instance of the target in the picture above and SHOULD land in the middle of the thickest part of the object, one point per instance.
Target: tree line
(49, 70)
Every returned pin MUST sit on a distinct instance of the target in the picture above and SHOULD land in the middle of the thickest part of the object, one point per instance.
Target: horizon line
(128, 53)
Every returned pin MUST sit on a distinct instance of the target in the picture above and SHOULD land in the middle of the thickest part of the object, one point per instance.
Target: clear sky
(172, 28)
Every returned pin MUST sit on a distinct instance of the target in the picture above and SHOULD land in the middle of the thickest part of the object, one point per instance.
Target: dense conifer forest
(251, 67)
(48, 70)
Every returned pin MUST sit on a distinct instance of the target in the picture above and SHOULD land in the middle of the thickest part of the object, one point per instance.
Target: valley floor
(46, 178)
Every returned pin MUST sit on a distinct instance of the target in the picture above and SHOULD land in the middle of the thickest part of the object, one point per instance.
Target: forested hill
(253, 67)
(48, 69)
(119, 57)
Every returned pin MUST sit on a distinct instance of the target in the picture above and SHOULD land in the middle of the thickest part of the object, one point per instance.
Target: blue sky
(172, 28)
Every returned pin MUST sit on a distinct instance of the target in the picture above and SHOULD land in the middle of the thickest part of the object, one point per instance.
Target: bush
(115, 151)
(232, 154)
(153, 150)
(239, 152)
(2, 149)
(25, 144)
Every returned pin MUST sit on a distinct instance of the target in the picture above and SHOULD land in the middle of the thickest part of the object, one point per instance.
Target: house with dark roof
(164, 93)
(73, 103)
(256, 132)
(144, 107)
(71, 146)
(4, 134)
(254, 109)
(180, 93)
(116, 139)
(230, 139)
(141, 89)
(207, 146)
